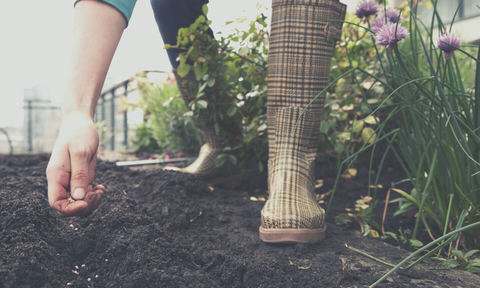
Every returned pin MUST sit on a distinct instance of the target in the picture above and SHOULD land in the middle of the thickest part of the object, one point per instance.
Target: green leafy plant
(231, 84)
(464, 261)
(363, 216)
(348, 123)
(402, 238)
(165, 129)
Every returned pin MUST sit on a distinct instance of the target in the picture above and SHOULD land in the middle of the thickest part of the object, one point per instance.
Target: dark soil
(166, 229)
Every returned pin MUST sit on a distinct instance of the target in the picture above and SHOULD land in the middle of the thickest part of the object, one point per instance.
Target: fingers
(92, 200)
(81, 175)
(72, 167)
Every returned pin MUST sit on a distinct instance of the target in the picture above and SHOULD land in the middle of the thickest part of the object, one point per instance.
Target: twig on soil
(199, 214)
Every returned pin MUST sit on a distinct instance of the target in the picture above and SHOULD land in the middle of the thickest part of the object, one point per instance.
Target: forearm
(98, 28)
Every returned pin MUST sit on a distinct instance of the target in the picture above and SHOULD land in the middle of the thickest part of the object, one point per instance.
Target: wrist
(69, 112)
(78, 104)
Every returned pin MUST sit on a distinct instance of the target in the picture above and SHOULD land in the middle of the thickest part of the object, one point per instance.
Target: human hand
(72, 166)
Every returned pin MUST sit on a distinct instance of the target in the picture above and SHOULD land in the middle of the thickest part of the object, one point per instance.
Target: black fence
(113, 121)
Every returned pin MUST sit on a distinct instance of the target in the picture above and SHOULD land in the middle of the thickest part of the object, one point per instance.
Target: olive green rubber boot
(204, 167)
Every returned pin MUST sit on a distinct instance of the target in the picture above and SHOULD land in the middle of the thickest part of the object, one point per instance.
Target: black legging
(172, 15)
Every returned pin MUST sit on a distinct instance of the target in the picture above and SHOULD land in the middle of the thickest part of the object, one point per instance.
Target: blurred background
(35, 51)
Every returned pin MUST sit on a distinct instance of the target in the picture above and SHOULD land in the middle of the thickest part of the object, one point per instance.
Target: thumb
(81, 174)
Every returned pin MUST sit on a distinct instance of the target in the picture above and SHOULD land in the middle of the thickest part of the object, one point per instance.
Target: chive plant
(436, 115)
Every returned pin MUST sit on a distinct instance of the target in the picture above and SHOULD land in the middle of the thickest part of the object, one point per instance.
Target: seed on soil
(89, 279)
(69, 198)
(75, 272)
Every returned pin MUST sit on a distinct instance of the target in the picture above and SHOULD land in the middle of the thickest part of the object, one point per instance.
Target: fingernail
(79, 193)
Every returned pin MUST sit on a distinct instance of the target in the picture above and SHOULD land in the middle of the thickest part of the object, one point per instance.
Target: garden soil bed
(166, 229)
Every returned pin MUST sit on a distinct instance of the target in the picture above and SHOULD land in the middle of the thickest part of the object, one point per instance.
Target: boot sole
(292, 235)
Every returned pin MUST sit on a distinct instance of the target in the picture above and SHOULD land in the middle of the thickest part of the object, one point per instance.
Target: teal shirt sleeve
(124, 6)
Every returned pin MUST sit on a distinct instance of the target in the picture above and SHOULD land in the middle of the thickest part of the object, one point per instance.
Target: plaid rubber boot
(204, 166)
(291, 213)
(300, 53)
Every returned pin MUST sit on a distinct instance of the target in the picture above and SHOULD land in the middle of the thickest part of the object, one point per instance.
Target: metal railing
(106, 111)
(32, 105)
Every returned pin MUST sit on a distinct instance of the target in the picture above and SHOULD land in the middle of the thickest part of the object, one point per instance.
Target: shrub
(165, 129)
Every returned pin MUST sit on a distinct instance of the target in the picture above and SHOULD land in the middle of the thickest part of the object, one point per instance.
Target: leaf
(232, 159)
(231, 111)
(404, 208)
(352, 171)
(193, 54)
(188, 114)
(200, 90)
(392, 235)
(167, 46)
(262, 127)
(357, 126)
(183, 69)
(339, 147)
(202, 104)
(211, 81)
(474, 270)
(324, 127)
(305, 268)
(220, 160)
(243, 51)
(470, 253)
(458, 254)
(199, 72)
(371, 120)
(416, 243)
(448, 264)
(201, 18)
(346, 136)
(205, 9)
(374, 233)
(368, 135)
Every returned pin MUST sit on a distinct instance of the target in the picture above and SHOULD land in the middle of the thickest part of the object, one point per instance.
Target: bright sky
(36, 43)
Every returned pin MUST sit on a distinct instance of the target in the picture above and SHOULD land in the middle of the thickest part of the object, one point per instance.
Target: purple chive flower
(451, 39)
(386, 35)
(366, 9)
(379, 21)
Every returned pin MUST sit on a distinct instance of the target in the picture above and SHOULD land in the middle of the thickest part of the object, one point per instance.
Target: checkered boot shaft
(292, 201)
(204, 167)
(300, 53)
